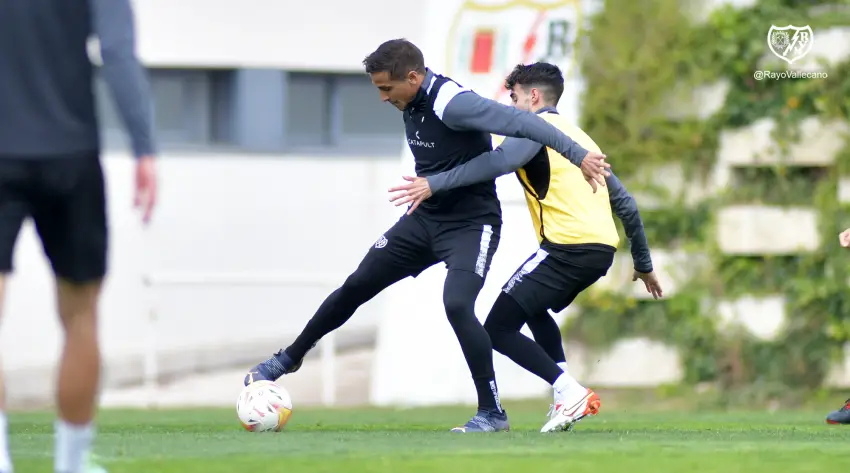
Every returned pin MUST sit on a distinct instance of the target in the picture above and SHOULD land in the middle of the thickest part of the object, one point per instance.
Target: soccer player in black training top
(446, 126)
(50, 171)
(576, 233)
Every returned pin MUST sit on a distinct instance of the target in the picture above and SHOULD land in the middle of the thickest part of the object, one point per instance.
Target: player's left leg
(70, 217)
(841, 416)
(468, 250)
(540, 284)
(547, 334)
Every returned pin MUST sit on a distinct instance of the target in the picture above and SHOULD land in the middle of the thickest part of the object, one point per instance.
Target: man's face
(521, 98)
(397, 92)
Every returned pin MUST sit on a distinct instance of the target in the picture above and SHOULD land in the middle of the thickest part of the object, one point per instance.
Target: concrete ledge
(700, 11)
(34, 388)
(766, 230)
(839, 375)
(754, 145)
(674, 268)
(671, 178)
(632, 363)
(762, 317)
(844, 190)
(696, 102)
(830, 48)
(220, 389)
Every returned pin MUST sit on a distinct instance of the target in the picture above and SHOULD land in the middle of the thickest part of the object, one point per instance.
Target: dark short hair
(396, 57)
(541, 75)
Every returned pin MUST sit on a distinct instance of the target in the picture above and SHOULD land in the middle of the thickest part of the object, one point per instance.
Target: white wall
(332, 35)
(217, 213)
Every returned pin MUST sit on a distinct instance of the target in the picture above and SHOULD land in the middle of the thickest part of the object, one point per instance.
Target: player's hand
(416, 191)
(145, 197)
(594, 169)
(844, 238)
(650, 280)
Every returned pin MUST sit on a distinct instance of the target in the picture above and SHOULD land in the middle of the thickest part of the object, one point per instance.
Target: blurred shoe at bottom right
(841, 416)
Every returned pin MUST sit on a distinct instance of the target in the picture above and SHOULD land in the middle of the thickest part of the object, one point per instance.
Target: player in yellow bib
(576, 231)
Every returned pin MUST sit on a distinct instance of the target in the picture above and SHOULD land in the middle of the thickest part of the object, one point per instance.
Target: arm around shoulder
(462, 109)
(513, 154)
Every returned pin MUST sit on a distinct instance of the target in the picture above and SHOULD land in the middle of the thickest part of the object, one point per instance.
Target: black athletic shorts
(416, 243)
(553, 276)
(65, 197)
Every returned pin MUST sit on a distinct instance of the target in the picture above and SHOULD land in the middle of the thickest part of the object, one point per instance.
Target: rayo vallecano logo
(790, 43)
(489, 37)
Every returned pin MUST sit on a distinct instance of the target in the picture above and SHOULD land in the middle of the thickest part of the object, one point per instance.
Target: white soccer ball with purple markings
(264, 406)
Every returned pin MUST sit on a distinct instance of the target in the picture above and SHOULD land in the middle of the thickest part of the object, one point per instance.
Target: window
(308, 107)
(363, 115)
(340, 111)
(338, 114)
(190, 107)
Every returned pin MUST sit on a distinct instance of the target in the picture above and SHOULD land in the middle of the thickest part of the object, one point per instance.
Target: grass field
(416, 440)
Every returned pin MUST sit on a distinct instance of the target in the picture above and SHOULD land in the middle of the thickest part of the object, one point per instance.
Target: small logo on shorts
(382, 242)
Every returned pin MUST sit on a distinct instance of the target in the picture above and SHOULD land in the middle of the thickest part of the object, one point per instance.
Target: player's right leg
(5, 460)
(402, 251)
(70, 217)
(14, 208)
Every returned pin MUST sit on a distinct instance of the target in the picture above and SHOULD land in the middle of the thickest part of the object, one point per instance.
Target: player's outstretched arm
(625, 208)
(462, 109)
(513, 154)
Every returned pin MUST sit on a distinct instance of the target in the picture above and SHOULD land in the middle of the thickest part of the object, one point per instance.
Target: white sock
(566, 387)
(73, 443)
(5, 460)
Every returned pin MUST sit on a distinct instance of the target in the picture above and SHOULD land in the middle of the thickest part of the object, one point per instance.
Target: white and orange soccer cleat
(566, 412)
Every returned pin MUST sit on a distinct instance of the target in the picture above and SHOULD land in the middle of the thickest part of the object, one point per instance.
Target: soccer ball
(264, 406)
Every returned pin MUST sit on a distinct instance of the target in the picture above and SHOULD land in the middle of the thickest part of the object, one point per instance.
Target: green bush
(642, 55)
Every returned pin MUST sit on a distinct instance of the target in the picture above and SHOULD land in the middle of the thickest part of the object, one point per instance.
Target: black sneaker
(486, 421)
(273, 368)
(841, 416)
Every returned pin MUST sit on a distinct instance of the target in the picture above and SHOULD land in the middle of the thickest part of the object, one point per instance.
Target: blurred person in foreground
(446, 126)
(842, 415)
(50, 171)
(574, 227)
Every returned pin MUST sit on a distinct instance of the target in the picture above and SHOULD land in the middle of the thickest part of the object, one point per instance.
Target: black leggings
(504, 322)
(547, 334)
(460, 290)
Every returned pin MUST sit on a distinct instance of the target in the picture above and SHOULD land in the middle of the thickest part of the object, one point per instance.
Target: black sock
(459, 294)
(503, 324)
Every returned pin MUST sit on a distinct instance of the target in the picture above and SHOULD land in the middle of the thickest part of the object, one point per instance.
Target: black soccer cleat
(841, 416)
(273, 368)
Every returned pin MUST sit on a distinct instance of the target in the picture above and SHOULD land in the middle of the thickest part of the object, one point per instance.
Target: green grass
(416, 440)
